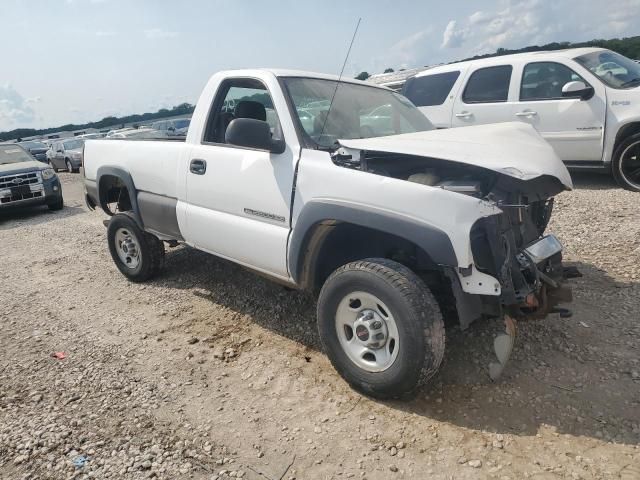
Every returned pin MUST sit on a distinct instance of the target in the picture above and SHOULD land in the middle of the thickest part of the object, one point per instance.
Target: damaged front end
(509, 248)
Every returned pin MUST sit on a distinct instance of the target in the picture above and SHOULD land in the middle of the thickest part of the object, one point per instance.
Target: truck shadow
(574, 375)
(593, 181)
(34, 216)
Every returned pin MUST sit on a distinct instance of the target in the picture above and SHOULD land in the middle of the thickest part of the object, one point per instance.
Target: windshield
(358, 111)
(612, 68)
(73, 145)
(13, 154)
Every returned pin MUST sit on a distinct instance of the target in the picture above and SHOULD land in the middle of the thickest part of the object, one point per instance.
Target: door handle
(526, 113)
(198, 166)
(464, 114)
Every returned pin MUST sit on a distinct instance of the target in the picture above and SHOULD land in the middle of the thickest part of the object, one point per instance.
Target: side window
(488, 85)
(544, 80)
(240, 98)
(430, 90)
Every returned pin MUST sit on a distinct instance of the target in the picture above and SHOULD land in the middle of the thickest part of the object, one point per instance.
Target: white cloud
(406, 51)
(519, 23)
(154, 33)
(15, 111)
(453, 37)
(106, 33)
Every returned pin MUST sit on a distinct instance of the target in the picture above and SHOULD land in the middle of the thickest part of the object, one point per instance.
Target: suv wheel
(70, 168)
(626, 163)
(57, 205)
(381, 327)
(137, 254)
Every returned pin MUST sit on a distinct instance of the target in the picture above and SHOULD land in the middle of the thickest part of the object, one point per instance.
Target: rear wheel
(381, 327)
(137, 254)
(70, 168)
(626, 163)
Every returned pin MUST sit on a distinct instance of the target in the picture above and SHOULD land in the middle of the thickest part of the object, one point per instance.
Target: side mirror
(172, 129)
(252, 133)
(577, 89)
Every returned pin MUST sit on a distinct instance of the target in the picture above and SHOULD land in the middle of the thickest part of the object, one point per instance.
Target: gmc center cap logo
(362, 333)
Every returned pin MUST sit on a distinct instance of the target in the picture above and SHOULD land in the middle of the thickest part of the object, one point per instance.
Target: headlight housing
(48, 173)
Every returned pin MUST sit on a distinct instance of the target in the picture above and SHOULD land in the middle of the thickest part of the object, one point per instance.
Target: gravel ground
(211, 372)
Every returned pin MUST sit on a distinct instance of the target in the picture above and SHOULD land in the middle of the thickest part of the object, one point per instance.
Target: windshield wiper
(630, 82)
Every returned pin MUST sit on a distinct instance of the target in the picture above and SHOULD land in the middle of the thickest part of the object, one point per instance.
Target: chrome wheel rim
(367, 331)
(127, 248)
(629, 165)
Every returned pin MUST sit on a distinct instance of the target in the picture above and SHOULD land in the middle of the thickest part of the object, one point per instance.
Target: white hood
(513, 149)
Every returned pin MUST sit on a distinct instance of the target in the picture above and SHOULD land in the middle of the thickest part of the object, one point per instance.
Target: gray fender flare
(433, 241)
(125, 177)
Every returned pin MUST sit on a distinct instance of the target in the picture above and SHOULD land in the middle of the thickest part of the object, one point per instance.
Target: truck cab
(582, 101)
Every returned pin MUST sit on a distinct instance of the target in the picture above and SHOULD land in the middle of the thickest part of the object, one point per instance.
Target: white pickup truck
(293, 175)
(584, 102)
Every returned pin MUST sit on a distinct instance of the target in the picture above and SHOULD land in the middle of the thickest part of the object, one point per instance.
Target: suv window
(488, 85)
(240, 98)
(544, 80)
(431, 89)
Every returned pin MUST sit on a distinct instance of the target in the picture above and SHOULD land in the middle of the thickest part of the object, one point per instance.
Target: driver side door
(572, 126)
(239, 198)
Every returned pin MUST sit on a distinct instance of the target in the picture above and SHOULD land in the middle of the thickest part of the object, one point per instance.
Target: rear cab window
(488, 85)
(430, 90)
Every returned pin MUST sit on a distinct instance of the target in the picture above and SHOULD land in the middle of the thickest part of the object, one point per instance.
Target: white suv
(582, 101)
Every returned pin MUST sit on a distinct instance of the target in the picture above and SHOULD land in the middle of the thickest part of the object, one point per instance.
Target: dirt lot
(211, 372)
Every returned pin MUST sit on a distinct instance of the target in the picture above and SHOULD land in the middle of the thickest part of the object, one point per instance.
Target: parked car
(137, 133)
(37, 149)
(584, 102)
(386, 229)
(90, 136)
(67, 154)
(25, 181)
(172, 128)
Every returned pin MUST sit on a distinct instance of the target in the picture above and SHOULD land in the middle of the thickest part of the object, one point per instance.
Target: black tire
(417, 316)
(620, 165)
(69, 165)
(57, 205)
(151, 249)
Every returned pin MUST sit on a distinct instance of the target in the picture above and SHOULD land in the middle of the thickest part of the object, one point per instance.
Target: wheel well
(114, 195)
(332, 244)
(625, 132)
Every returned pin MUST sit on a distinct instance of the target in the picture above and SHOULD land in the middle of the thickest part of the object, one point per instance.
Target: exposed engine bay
(500, 243)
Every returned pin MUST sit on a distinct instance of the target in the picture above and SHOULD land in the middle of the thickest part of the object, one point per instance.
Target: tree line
(628, 46)
(182, 109)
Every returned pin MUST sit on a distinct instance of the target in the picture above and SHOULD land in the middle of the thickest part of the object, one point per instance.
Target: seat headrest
(250, 109)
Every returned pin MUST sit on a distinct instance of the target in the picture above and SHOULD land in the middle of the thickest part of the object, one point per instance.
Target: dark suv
(24, 181)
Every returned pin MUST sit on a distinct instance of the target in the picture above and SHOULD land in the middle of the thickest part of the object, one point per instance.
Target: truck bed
(153, 164)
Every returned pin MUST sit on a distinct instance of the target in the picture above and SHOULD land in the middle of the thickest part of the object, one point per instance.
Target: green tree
(362, 76)
(388, 70)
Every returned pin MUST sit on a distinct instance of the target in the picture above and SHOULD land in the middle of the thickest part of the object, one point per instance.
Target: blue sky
(72, 61)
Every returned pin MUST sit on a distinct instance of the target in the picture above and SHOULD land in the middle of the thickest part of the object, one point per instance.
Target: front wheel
(70, 168)
(381, 327)
(57, 205)
(137, 254)
(626, 164)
